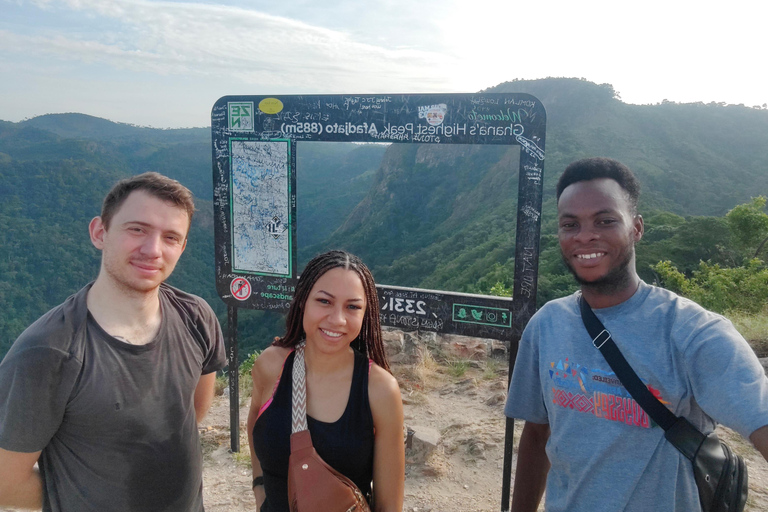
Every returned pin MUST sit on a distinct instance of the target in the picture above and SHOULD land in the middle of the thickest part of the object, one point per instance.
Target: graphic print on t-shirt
(596, 392)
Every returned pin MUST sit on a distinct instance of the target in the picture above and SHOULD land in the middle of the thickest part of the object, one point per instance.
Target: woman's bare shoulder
(269, 364)
(382, 385)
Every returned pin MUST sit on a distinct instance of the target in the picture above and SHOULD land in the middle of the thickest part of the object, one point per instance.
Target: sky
(165, 63)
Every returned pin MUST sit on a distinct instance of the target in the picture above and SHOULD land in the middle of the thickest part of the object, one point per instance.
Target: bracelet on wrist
(259, 480)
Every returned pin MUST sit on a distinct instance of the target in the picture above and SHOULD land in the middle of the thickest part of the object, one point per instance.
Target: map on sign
(261, 234)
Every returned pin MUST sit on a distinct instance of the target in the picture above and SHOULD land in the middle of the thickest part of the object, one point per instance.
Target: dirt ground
(464, 473)
(463, 404)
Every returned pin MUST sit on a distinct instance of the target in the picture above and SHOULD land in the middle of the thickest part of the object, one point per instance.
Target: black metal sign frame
(254, 160)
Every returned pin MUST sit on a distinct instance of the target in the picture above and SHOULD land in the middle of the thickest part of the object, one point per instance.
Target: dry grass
(754, 328)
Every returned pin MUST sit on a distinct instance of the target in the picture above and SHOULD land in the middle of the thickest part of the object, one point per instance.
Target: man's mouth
(590, 256)
(145, 268)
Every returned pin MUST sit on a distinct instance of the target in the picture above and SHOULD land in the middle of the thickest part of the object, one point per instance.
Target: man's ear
(97, 231)
(638, 226)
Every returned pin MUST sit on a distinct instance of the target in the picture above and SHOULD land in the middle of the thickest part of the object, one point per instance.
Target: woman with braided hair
(354, 409)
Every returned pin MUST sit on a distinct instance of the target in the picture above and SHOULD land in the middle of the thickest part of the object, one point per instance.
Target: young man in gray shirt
(104, 391)
(585, 440)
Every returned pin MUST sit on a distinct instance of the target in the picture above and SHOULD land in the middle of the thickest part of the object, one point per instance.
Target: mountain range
(440, 217)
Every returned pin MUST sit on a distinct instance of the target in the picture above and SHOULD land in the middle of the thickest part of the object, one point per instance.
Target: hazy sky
(165, 63)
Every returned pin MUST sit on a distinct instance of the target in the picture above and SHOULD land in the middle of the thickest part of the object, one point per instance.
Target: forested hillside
(439, 217)
(445, 217)
(56, 169)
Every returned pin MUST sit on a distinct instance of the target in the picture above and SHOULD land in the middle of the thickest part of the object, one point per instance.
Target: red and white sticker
(240, 288)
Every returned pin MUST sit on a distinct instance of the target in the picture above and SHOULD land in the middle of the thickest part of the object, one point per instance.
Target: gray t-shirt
(115, 422)
(606, 454)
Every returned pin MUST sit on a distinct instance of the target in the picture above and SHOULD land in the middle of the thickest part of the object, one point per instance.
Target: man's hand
(20, 483)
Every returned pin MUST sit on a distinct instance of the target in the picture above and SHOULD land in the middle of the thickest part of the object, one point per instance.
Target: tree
(749, 225)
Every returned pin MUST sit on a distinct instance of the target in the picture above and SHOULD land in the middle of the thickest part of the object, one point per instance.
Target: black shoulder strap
(684, 436)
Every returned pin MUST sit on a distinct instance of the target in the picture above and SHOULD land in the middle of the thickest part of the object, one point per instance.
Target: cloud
(213, 40)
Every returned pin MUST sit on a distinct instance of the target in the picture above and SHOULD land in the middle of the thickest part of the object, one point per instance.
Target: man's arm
(20, 483)
(759, 438)
(532, 468)
(204, 394)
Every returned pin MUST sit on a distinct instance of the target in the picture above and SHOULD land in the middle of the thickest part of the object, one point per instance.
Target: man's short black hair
(601, 167)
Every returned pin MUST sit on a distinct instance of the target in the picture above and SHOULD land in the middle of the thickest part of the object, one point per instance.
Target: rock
(393, 342)
(431, 339)
(496, 399)
(468, 349)
(412, 348)
(422, 443)
(446, 390)
(498, 349)
(498, 385)
(476, 449)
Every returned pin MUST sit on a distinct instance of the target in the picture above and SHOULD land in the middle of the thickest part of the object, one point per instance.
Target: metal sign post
(254, 162)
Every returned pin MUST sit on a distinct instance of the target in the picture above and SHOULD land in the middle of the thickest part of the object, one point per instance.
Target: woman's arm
(264, 374)
(389, 450)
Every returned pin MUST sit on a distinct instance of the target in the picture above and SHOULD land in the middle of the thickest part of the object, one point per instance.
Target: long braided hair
(369, 342)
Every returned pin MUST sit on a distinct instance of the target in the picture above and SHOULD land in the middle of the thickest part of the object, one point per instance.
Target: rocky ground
(454, 406)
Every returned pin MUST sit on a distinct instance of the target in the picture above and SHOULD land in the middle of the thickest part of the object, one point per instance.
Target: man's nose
(152, 245)
(586, 234)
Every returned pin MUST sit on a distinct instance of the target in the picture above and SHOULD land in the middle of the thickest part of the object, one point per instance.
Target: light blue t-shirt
(606, 453)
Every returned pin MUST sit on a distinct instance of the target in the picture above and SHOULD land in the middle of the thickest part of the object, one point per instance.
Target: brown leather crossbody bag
(313, 485)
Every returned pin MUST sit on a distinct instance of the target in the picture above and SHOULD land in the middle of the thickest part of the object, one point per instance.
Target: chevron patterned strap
(299, 394)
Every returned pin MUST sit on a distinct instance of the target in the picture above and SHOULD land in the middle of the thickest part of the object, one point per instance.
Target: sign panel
(466, 314)
(254, 160)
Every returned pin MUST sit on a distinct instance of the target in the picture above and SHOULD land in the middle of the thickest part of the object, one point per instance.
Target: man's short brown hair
(153, 183)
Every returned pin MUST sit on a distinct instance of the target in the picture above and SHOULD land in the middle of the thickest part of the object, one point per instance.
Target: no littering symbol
(240, 288)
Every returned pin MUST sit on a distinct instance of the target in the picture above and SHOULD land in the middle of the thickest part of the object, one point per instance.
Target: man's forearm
(760, 439)
(20, 484)
(532, 468)
(204, 393)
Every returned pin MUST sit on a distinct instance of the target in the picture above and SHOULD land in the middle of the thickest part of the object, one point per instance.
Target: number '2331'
(404, 306)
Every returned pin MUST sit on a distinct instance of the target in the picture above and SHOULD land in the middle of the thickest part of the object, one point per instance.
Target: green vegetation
(457, 367)
(735, 288)
(440, 217)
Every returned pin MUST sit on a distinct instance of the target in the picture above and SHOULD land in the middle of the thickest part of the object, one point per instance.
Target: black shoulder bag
(721, 475)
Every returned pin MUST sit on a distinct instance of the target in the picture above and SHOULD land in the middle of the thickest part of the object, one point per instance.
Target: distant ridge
(83, 126)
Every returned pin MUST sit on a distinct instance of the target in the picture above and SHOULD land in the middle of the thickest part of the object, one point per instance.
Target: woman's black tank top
(346, 445)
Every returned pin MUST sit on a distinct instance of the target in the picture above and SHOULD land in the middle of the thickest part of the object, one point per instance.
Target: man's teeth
(589, 256)
(331, 333)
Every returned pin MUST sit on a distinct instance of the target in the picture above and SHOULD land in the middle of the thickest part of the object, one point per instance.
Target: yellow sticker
(270, 105)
